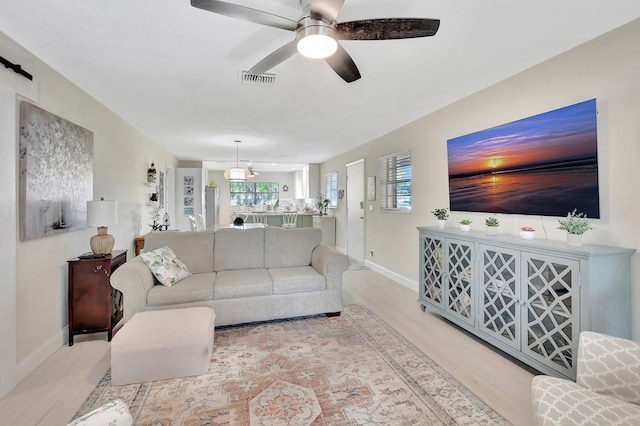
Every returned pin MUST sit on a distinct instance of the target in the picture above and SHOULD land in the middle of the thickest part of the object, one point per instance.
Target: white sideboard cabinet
(529, 298)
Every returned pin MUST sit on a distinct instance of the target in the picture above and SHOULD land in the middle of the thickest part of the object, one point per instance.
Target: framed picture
(188, 211)
(371, 188)
(55, 174)
(188, 181)
(188, 201)
(188, 190)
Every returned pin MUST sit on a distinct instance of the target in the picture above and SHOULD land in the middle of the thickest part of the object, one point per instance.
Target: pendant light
(236, 173)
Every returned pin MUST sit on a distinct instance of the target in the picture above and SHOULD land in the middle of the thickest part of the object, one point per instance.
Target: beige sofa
(246, 275)
(606, 391)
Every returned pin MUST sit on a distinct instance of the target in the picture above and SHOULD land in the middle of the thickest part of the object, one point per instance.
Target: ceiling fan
(317, 33)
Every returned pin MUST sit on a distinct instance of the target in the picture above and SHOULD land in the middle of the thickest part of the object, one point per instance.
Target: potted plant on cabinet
(575, 224)
(465, 225)
(527, 233)
(441, 216)
(492, 225)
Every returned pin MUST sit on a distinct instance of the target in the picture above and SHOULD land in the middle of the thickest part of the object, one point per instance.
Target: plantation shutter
(395, 182)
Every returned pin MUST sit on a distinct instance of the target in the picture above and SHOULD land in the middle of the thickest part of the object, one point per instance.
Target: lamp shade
(102, 212)
(236, 174)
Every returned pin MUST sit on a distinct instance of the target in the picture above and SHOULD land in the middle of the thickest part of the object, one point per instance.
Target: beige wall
(607, 68)
(40, 282)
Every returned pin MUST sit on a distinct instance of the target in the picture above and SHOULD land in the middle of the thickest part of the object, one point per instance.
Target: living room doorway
(355, 210)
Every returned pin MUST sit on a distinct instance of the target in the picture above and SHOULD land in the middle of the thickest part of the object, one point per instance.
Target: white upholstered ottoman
(157, 345)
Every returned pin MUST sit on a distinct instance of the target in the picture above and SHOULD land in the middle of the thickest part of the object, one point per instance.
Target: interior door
(355, 211)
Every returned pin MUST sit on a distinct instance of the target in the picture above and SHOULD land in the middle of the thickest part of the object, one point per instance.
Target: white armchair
(607, 388)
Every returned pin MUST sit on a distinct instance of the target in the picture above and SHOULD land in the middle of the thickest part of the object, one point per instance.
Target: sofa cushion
(196, 288)
(289, 247)
(195, 249)
(165, 266)
(296, 280)
(242, 283)
(238, 249)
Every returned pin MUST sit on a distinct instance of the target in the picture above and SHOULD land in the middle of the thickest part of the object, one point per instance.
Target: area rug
(348, 370)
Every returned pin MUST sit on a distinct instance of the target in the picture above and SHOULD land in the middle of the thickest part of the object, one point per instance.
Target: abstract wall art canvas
(543, 165)
(56, 174)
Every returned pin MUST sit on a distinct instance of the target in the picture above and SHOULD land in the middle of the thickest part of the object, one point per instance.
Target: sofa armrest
(134, 280)
(562, 402)
(609, 366)
(329, 262)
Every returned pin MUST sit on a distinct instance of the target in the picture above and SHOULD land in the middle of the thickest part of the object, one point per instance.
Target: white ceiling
(172, 70)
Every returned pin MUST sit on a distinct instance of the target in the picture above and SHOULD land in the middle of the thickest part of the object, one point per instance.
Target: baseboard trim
(37, 357)
(400, 279)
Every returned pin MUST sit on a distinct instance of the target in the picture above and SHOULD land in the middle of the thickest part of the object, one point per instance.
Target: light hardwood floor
(52, 394)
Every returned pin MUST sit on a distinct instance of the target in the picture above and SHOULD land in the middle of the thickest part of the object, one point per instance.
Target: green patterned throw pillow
(165, 266)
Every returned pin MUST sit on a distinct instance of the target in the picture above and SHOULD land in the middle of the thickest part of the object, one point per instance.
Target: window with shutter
(395, 182)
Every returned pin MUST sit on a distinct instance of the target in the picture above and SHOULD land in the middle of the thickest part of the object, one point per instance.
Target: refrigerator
(211, 206)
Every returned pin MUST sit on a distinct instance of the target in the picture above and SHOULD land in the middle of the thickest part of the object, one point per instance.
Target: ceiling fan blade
(343, 65)
(245, 13)
(327, 9)
(276, 57)
(388, 29)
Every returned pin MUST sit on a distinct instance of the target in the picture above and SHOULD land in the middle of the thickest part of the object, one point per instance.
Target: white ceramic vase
(441, 223)
(492, 230)
(527, 235)
(574, 240)
(465, 228)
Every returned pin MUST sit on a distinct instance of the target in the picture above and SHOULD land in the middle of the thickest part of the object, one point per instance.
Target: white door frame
(356, 224)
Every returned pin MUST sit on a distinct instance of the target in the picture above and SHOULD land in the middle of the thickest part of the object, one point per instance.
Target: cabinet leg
(70, 339)
(423, 308)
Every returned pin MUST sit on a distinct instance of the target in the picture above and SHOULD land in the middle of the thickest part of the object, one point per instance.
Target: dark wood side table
(94, 306)
(139, 243)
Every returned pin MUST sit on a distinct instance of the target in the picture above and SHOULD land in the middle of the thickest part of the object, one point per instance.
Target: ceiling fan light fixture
(316, 40)
(317, 46)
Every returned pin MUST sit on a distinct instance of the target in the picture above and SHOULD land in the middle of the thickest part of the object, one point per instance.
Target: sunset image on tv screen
(542, 165)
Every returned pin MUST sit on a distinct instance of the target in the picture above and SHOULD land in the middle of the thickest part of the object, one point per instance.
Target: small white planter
(574, 240)
(528, 235)
(492, 230)
(465, 228)
(441, 223)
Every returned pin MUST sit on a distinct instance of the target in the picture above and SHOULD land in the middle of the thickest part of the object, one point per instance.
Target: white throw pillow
(114, 413)
(165, 266)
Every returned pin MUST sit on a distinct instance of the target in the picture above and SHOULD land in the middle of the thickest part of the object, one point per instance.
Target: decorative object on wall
(16, 68)
(542, 165)
(371, 188)
(152, 174)
(340, 194)
(188, 201)
(56, 174)
(161, 189)
(285, 188)
(102, 213)
(236, 173)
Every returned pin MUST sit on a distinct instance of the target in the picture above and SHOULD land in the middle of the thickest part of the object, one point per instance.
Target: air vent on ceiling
(263, 80)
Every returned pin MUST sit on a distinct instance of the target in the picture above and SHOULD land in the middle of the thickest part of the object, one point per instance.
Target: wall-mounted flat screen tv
(542, 165)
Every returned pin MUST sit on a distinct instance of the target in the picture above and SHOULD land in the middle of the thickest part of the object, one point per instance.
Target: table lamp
(102, 213)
